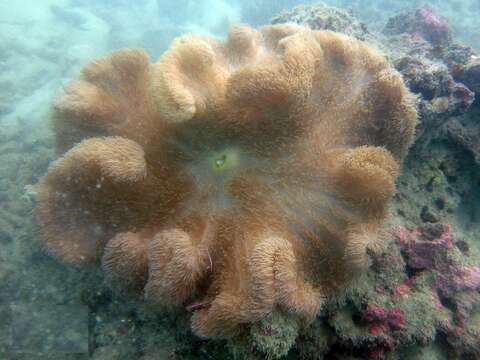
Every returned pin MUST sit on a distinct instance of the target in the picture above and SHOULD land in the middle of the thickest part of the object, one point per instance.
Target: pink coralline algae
(471, 279)
(424, 248)
(423, 288)
(413, 296)
(430, 248)
(432, 26)
(422, 23)
(402, 289)
(383, 320)
(454, 286)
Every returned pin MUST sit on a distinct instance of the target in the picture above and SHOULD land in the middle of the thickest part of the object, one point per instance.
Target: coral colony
(230, 178)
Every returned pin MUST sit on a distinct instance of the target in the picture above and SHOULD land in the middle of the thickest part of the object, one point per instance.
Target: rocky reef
(419, 298)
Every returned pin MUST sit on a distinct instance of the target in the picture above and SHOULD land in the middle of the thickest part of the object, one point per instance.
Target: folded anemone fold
(231, 178)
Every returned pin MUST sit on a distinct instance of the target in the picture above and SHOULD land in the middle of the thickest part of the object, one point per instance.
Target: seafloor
(419, 300)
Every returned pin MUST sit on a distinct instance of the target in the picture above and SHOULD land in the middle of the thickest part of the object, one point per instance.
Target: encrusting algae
(231, 178)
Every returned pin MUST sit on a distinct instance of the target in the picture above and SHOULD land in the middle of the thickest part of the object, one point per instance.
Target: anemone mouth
(220, 162)
(213, 171)
(223, 161)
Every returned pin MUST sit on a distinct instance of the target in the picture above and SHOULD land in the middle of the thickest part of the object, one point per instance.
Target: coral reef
(423, 22)
(324, 17)
(419, 290)
(400, 309)
(460, 15)
(470, 72)
(231, 178)
(431, 64)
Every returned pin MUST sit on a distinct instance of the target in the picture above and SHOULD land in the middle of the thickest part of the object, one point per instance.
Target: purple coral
(471, 279)
(381, 319)
(455, 284)
(432, 26)
(430, 248)
(424, 249)
(423, 23)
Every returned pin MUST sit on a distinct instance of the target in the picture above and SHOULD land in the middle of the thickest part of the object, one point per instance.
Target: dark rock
(427, 216)
(463, 246)
(432, 231)
(466, 135)
(470, 73)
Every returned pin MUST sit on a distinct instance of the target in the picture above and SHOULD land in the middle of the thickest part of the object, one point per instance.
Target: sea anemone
(230, 177)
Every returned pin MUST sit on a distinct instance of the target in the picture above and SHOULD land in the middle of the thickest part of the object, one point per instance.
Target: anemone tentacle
(233, 178)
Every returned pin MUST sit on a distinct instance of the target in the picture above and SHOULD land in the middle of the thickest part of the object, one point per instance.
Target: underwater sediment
(420, 294)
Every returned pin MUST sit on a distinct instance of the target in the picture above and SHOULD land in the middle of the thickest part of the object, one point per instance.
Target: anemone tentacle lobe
(231, 178)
